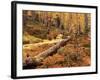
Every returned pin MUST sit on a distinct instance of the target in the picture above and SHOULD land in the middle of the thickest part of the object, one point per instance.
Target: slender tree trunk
(86, 22)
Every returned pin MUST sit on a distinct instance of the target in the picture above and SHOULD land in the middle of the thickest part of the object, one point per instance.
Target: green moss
(31, 39)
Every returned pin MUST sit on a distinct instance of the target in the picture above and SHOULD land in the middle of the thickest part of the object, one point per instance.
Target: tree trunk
(36, 60)
(86, 23)
(50, 51)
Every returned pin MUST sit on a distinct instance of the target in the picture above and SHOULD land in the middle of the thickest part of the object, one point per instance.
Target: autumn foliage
(39, 27)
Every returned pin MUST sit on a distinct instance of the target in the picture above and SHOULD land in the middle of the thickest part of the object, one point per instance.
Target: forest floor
(73, 54)
(40, 35)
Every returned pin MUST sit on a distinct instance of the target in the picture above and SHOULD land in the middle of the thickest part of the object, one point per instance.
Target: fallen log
(36, 60)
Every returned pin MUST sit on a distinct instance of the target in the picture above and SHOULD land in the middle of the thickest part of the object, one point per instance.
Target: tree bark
(50, 51)
(36, 60)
